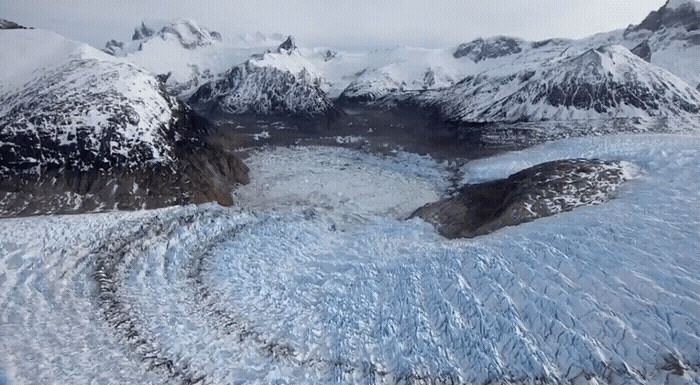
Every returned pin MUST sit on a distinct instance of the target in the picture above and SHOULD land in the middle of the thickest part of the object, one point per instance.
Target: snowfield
(329, 284)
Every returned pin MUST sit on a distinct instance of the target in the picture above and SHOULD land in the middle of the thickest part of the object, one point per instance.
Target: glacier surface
(313, 287)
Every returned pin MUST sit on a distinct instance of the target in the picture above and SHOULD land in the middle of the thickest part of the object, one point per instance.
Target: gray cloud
(358, 22)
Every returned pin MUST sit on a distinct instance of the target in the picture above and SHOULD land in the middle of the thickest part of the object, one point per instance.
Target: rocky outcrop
(643, 50)
(200, 173)
(287, 46)
(6, 24)
(113, 47)
(673, 14)
(329, 55)
(142, 32)
(533, 193)
(480, 49)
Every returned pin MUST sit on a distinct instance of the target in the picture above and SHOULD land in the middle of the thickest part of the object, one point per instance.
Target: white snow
(73, 86)
(630, 85)
(289, 294)
(191, 67)
(380, 71)
(29, 54)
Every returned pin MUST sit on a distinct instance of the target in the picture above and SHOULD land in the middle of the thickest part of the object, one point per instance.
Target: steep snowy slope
(607, 82)
(279, 83)
(401, 68)
(74, 120)
(80, 109)
(672, 35)
(668, 38)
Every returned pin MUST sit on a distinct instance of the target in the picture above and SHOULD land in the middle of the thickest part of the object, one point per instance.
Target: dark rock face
(643, 50)
(552, 42)
(536, 192)
(249, 88)
(481, 49)
(6, 24)
(142, 32)
(288, 45)
(684, 16)
(113, 46)
(329, 55)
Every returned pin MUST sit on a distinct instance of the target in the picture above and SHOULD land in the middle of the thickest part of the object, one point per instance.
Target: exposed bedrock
(537, 192)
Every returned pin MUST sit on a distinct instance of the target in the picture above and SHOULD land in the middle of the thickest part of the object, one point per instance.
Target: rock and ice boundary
(540, 191)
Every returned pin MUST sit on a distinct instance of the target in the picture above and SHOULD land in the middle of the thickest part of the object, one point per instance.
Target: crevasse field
(318, 278)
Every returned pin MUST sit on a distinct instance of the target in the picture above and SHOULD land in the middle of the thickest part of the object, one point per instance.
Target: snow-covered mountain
(83, 111)
(184, 32)
(188, 55)
(672, 35)
(668, 38)
(606, 82)
(274, 83)
(492, 48)
(74, 120)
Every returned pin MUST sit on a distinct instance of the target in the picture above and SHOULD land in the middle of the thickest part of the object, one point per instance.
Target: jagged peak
(142, 32)
(288, 45)
(676, 4)
(7, 24)
(674, 13)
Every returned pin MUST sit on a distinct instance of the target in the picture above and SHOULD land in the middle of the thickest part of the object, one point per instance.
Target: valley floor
(316, 277)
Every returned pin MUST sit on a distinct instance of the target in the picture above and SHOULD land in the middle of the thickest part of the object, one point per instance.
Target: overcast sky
(333, 23)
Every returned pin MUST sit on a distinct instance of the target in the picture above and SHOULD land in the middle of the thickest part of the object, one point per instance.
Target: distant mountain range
(249, 75)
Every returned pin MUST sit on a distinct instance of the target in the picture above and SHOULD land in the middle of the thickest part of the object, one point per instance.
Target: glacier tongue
(604, 294)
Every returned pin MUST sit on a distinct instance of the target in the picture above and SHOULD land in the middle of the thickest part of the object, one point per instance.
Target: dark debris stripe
(113, 259)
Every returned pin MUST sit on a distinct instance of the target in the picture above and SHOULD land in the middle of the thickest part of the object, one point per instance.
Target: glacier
(331, 284)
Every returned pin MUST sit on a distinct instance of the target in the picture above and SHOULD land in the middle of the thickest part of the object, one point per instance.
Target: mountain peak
(480, 49)
(675, 13)
(6, 24)
(142, 32)
(189, 33)
(676, 4)
(288, 45)
(600, 83)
